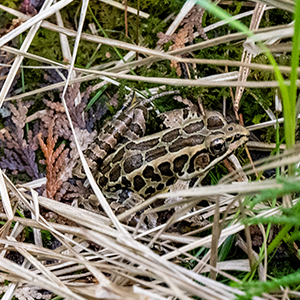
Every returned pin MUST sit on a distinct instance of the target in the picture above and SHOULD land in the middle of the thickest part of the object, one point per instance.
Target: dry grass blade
(282, 4)
(264, 146)
(84, 36)
(96, 74)
(35, 216)
(223, 22)
(95, 187)
(129, 9)
(28, 276)
(34, 57)
(38, 265)
(55, 86)
(65, 47)
(66, 51)
(133, 256)
(240, 187)
(5, 198)
(77, 214)
(32, 21)
(247, 57)
(33, 184)
(194, 82)
(231, 63)
(274, 34)
(25, 46)
(266, 124)
(199, 46)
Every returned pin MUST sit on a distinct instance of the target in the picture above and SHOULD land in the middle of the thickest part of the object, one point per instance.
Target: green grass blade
(96, 97)
(223, 15)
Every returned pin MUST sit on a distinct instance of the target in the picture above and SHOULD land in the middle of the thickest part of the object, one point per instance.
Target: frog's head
(218, 144)
(222, 143)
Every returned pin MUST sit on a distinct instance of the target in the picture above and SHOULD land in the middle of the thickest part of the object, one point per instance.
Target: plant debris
(186, 34)
(19, 153)
(55, 160)
(19, 148)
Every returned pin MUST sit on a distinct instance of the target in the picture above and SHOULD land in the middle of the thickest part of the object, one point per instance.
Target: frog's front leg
(123, 200)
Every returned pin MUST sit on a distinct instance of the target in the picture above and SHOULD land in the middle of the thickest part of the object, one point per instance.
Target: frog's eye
(218, 146)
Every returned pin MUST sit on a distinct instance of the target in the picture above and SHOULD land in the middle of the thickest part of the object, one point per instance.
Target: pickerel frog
(128, 165)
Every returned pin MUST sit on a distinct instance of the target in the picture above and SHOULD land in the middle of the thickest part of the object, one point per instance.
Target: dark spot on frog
(155, 177)
(215, 122)
(192, 182)
(116, 187)
(170, 181)
(105, 169)
(150, 190)
(191, 168)
(126, 182)
(129, 145)
(185, 113)
(132, 163)
(107, 128)
(142, 146)
(149, 173)
(106, 147)
(155, 153)
(117, 135)
(138, 182)
(181, 143)
(103, 181)
(194, 127)
(179, 163)
(160, 187)
(99, 161)
(170, 136)
(123, 196)
(115, 173)
(165, 169)
(124, 117)
(118, 156)
(124, 140)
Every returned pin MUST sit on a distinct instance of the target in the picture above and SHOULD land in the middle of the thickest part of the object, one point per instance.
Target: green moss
(11, 3)
(46, 44)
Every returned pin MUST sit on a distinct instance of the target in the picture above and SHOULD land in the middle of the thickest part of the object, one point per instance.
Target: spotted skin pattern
(152, 163)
